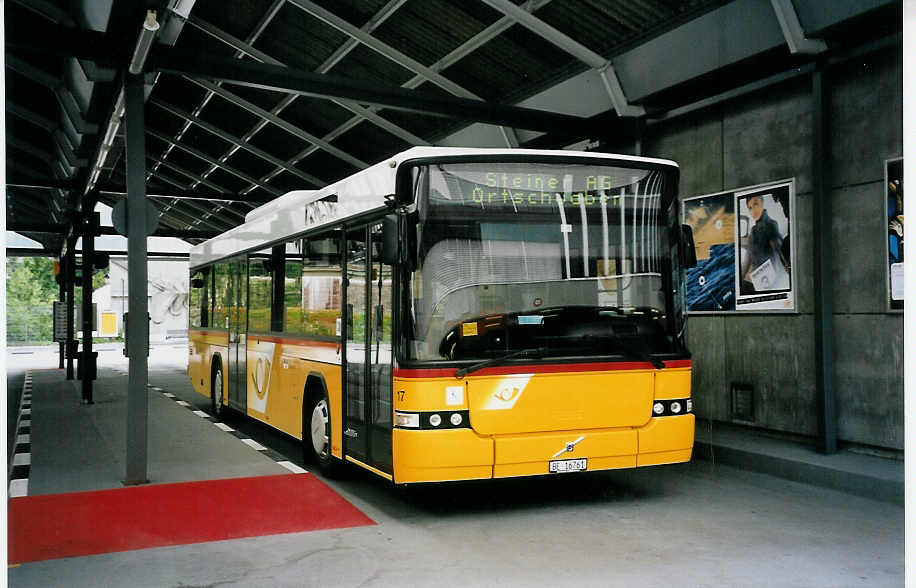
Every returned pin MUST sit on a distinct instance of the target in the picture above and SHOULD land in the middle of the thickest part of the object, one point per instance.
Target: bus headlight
(455, 419)
(659, 408)
(435, 420)
(406, 419)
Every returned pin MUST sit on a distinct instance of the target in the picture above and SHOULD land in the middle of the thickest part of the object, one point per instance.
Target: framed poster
(745, 252)
(893, 188)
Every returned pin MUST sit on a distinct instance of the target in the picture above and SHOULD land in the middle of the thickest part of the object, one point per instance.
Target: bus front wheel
(316, 438)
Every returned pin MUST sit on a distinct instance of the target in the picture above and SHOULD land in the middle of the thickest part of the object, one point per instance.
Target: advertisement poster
(711, 284)
(894, 193)
(744, 250)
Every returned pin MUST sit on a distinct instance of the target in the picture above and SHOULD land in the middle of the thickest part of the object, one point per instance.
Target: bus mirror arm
(687, 248)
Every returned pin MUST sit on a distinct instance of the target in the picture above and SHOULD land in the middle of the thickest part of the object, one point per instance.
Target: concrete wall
(768, 136)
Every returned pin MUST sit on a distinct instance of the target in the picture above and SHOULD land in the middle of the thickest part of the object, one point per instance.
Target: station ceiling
(249, 99)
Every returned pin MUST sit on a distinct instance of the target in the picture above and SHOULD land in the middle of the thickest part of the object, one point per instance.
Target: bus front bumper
(462, 454)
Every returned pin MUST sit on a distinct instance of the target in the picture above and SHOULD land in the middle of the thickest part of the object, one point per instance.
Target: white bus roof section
(302, 210)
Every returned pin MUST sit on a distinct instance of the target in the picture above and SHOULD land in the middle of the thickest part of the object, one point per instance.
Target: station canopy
(249, 99)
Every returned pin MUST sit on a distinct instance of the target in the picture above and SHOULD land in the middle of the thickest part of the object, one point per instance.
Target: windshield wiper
(633, 350)
(530, 352)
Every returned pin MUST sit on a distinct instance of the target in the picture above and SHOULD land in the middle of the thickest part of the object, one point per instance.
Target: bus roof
(365, 191)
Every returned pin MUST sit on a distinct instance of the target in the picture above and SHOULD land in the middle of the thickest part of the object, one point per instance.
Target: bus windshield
(541, 259)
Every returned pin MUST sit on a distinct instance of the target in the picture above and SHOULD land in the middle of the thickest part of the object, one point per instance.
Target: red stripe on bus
(540, 369)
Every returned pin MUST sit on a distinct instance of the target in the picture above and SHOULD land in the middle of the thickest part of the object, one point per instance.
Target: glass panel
(513, 255)
(221, 296)
(312, 288)
(355, 332)
(195, 300)
(260, 289)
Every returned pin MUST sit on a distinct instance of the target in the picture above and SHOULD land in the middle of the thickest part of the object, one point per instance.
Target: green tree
(30, 289)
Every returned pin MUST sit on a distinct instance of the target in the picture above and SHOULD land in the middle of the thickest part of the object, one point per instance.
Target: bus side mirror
(390, 239)
(688, 249)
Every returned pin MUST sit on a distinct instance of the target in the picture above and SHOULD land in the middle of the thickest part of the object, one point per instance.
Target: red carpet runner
(85, 523)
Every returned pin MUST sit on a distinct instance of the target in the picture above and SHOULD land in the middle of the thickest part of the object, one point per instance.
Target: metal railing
(31, 325)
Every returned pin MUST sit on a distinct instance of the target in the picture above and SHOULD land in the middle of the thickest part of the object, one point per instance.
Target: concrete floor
(692, 525)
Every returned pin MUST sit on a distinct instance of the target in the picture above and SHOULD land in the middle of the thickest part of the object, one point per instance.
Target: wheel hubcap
(218, 391)
(319, 429)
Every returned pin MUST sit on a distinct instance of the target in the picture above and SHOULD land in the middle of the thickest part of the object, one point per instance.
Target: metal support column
(62, 296)
(87, 367)
(822, 220)
(69, 279)
(137, 311)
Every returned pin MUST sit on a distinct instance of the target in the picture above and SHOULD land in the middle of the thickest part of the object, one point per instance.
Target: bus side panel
(203, 344)
(277, 373)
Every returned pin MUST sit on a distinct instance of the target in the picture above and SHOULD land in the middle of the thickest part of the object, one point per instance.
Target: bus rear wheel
(316, 437)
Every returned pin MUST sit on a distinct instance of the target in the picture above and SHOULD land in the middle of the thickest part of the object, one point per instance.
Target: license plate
(564, 466)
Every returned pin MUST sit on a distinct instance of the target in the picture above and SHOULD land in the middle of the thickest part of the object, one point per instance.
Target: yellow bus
(456, 314)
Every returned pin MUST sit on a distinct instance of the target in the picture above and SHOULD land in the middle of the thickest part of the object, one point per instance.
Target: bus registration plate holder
(565, 466)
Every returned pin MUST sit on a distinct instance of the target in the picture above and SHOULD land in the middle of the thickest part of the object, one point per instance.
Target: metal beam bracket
(615, 91)
(792, 29)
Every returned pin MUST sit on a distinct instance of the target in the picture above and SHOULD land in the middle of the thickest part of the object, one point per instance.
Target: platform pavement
(847, 470)
(77, 447)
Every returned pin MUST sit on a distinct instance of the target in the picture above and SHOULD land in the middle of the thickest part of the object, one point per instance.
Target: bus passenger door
(355, 321)
(379, 344)
(238, 314)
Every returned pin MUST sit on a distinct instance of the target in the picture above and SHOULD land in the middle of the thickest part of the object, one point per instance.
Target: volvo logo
(570, 447)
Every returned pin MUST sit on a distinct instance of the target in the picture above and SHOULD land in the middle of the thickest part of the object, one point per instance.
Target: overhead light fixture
(144, 43)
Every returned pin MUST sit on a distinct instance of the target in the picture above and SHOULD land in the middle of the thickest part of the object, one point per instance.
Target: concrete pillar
(137, 277)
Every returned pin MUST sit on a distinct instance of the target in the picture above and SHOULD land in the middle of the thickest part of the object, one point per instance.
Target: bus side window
(312, 288)
(260, 290)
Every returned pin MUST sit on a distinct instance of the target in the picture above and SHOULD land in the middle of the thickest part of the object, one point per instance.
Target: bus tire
(217, 390)
(316, 432)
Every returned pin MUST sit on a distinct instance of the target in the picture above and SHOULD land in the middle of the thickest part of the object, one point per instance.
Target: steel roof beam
(30, 149)
(222, 165)
(170, 206)
(381, 48)
(361, 113)
(387, 51)
(238, 142)
(264, 22)
(342, 51)
(61, 92)
(284, 79)
(186, 173)
(584, 54)
(459, 53)
(27, 115)
(792, 29)
(258, 111)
